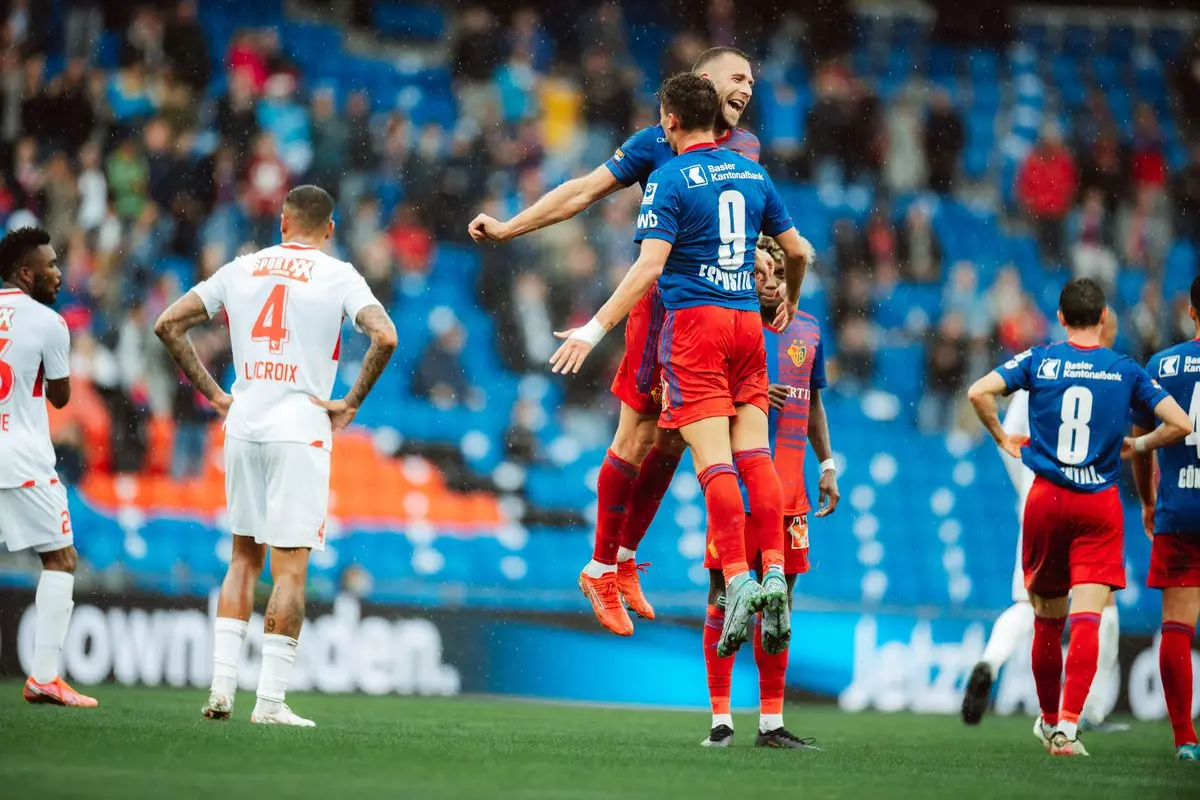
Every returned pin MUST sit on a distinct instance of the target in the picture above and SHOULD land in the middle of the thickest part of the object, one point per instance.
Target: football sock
(726, 519)
(1175, 664)
(1082, 655)
(278, 658)
(1047, 660)
(649, 488)
(1011, 628)
(612, 501)
(595, 569)
(625, 554)
(1096, 708)
(719, 670)
(54, 605)
(228, 635)
(766, 503)
(772, 679)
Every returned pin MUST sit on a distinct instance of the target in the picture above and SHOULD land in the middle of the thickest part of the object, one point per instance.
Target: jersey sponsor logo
(694, 175)
(1167, 368)
(730, 172)
(1083, 476)
(647, 219)
(6, 317)
(1087, 371)
(1049, 369)
(618, 155)
(798, 352)
(1016, 360)
(651, 190)
(296, 269)
(269, 371)
(798, 392)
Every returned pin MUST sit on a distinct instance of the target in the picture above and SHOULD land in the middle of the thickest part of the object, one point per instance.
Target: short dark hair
(691, 98)
(1196, 293)
(16, 246)
(713, 53)
(1082, 303)
(310, 206)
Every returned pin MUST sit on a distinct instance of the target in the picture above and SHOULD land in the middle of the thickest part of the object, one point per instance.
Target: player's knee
(247, 555)
(632, 443)
(289, 563)
(669, 442)
(64, 560)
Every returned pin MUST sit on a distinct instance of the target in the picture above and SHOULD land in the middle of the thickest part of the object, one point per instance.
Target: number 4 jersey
(1079, 404)
(285, 306)
(1177, 370)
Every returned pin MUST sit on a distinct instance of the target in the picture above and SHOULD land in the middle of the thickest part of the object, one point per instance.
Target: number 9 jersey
(1079, 404)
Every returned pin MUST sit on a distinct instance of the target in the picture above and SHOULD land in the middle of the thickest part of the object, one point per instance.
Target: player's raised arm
(560, 203)
(375, 322)
(172, 329)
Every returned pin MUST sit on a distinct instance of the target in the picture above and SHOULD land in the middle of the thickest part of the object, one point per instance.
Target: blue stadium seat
(421, 22)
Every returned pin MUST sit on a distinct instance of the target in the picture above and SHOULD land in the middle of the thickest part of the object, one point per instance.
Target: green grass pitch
(153, 743)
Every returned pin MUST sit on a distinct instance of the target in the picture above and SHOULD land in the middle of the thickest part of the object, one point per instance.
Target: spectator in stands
(879, 240)
(1186, 79)
(267, 182)
(475, 58)
(904, 168)
(237, 117)
(1046, 187)
(856, 356)
(829, 126)
(93, 188)
(852, 298)
(945, 373)
(1022, 325)
(516, 88)
(128, 176)
(144, 38)
(179, 108)
(964, 297)
(1150, 321)
(943, 139)
(1186, 194)
(520, 440)
(1147, 163)
(1104, 168)
(683, 52)
(186, 47)
(526, 319)
(1089, 232)
(607, 102)
(71, 108)
(411, 240)
(245, 56)
(161, 171)
(280, 115)
(36, 111)
(375, 261)
(918, 252)
(722, 25)
(330, 137)
(1144, 230)
(527, 35)
(62, 198)
(361, 157)
(131, 97)
(441, 376)
(364, 225)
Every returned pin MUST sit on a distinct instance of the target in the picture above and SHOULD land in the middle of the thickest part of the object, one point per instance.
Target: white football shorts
(277, 492)
(35, 518)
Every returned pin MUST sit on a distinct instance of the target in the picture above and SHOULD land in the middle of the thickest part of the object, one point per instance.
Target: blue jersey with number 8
(1079, 405)
(711, 204)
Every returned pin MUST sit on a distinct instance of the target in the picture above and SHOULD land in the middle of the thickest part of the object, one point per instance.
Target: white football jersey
(34, 347)
(1016, 423)
(285, 306)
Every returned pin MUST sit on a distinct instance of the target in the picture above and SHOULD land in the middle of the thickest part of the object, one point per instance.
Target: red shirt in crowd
(1047, 181)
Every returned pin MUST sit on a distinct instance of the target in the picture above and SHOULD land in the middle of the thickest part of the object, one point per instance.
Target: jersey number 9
(731, 211)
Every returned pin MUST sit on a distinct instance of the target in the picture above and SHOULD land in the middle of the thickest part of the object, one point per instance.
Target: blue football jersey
(647, 150)
(1177, 370)
(711, 204)
(1079, 406)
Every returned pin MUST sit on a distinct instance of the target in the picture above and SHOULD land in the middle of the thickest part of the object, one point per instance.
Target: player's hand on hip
(484, 228)
(570, 355)
(340, 412)
(784, 316)
(1012, 445)
(828, 495)
(777, 395)
(221, 403)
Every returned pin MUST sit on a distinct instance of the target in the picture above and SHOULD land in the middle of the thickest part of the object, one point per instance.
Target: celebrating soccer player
(1172, 521)
(796, 368)
(698, 213)
(34, 368)
(642, 459)
(285, 306)
(1080, 394)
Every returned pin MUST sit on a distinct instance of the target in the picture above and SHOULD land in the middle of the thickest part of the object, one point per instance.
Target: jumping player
(1015, 625)
(1172, 521)
(34, 368)
(698, 212)
(286, 305)
(796, 369)
(642, 460)
(1080, 394)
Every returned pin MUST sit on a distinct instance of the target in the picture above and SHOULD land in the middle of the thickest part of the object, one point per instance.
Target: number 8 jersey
(285, 306)
(1079, 404)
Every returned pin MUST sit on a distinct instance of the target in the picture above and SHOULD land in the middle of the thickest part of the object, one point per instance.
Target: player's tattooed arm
(376, 323)
(1144, 470)
(982, 395)
(560, 203)
(172, 329)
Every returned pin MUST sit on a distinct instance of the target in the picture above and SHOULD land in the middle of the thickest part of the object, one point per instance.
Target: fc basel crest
(798, 352)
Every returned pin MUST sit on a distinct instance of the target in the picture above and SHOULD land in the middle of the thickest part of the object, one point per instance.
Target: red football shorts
(1071, 538)
(1174, 561)
(638, 383)
(795, 548)
(713, 360)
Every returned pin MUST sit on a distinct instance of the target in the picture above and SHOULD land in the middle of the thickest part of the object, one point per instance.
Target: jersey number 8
(731, 211)
(1074, 436)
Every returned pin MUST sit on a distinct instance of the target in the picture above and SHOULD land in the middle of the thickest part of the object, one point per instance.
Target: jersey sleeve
(56, 351)
(1144, 418)
(1016, 372)
(358, 296)
(776, 219)
(658, 217)
(633, 161)
(1146, 395)
(817, 378)
(212, 292)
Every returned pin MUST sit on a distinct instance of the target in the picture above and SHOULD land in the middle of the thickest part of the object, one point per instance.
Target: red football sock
(719, 670)
(612, 500)
(1083, 649)
(726, 518)
(766, 503)
(772, 676)
(1175, 664)
(1048, 664)
(653, 480)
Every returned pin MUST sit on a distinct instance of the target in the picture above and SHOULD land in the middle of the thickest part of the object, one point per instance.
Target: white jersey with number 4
(34, 347)
(285, 306)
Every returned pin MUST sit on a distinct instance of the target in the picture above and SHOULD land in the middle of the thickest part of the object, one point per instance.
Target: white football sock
(722, 719)
(1011, 628)
(625, 554)
(278, 658)
(769, 722)
(1069, 729)
(595, 569)
(228, 635)
(1095, 710)
(54, 605)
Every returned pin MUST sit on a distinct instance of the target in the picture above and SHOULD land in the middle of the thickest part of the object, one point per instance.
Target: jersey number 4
(1074, 435)
(271, 325)
(1193, 439)
(8, 377)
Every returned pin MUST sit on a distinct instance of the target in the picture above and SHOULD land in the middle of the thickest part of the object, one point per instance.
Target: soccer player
(642, 459)
(698, 212)
(796, 358)
(1015, 625)
(1172, 521)
(285, 306)
(34, 368)
(1080, 394)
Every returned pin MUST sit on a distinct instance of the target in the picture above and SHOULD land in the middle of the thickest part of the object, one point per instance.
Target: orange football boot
(606, 602)
(630, 588)
(57, 693)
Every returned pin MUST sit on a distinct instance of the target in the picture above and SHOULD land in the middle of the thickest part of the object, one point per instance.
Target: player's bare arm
(376, 323)
(559, 204)
(797, 255)
(1176, 427)
(59, 392)
(818, 437)
(579, 341)
(172, 329)
(982, 395)
(1144, 469)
